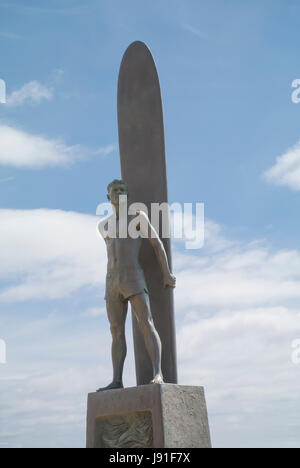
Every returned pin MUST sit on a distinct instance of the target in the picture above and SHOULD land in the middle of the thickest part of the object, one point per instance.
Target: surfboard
(143, 168)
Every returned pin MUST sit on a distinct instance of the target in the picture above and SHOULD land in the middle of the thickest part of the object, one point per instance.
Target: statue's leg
(117, 312)
(141, 308)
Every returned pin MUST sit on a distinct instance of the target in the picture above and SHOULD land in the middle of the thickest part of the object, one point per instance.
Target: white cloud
(286, 171)
(60, 257)
(243, 358)
(32, 92)
(237, 316)
(237, 309)
(23, 150)
(106, 150)
(94, 312)
(48, 254)
(244, 276)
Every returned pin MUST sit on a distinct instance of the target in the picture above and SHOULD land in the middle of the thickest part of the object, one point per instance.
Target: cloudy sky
(232, 135)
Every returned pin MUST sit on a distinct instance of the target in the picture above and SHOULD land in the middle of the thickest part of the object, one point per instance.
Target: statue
(164, 415)
(125, 282)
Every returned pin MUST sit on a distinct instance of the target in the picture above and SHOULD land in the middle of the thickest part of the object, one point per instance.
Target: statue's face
(115, 191)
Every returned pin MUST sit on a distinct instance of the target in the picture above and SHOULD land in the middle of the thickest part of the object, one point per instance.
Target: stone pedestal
(148, 416)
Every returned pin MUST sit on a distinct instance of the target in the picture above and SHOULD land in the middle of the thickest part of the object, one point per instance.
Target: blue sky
(226, 69)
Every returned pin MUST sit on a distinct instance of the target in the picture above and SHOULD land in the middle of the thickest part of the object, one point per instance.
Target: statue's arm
(150, 233)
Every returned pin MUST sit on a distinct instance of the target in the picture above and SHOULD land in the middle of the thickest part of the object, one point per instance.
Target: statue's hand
(169, 280)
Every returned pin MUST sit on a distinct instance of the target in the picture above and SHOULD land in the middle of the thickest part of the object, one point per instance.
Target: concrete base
(148, 416)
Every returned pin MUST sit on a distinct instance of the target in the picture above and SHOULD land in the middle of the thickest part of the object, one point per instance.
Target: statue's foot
(158, 379)
(112, 386)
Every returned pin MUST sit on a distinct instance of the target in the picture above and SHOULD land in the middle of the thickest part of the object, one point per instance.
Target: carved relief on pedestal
(130, 430)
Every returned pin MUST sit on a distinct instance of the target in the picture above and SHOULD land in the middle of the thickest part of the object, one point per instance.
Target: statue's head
(115, 189)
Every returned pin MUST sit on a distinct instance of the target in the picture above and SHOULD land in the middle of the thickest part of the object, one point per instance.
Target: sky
(226, 70)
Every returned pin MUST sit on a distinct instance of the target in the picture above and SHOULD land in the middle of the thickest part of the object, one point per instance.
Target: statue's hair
(114, 182)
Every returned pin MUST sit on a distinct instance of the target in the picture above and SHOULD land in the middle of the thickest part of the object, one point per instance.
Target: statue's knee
(147, 323)
(118, 333)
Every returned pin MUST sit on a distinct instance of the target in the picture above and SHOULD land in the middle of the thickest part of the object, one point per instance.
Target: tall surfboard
(143, 167)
